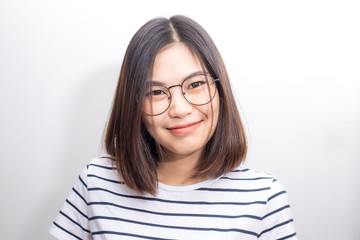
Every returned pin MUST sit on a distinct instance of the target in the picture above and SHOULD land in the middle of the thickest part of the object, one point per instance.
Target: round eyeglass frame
(183, 93)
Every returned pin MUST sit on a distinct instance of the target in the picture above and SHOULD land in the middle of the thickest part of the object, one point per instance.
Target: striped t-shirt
(242, 204)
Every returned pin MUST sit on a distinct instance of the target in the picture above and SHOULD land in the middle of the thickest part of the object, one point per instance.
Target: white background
(294, 65)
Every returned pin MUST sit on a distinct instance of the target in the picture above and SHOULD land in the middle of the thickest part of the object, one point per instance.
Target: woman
(175, 143)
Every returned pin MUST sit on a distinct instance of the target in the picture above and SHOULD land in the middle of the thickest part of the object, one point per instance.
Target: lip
(185, 128)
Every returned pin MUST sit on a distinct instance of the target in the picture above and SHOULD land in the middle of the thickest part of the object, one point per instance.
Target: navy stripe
(107, 157)
(105, 179)
(232, 189)
(73, 221)
(276, 194)
(176, 214)
(247, 179)
(57, 225)
(82, 182)
(241, 170)
(175, 227)
(128, 234)
(77, 193)
(275, 211)
(178, 202)
(100, 166)
(71, 204)
(276, 226)
(287, 237)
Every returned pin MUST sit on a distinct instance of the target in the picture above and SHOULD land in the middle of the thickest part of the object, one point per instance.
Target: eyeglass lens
(197, 90)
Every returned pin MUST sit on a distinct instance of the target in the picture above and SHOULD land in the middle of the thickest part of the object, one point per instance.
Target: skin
(182, 147)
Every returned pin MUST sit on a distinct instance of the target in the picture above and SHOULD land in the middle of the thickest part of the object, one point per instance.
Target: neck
(178, 170)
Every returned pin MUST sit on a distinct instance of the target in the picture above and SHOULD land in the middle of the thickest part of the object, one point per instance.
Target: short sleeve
(72, 220)
(278, 220)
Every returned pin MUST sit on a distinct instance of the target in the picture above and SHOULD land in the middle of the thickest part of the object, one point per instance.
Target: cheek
(148, 123)
(152, 125)
(210, 110)
(216, 105)
(214, 110)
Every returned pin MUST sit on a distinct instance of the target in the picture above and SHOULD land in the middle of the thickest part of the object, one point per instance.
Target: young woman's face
(183, 129)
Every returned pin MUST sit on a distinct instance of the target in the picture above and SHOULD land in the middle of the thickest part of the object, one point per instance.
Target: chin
(182, 151)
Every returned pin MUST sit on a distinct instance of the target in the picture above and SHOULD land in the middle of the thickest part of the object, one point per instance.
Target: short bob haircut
(135, 152)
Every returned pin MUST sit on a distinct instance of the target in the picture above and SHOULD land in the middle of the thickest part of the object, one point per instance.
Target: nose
(179, 106)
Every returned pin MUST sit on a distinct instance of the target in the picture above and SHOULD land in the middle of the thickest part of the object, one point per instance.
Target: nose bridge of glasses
(177, 85)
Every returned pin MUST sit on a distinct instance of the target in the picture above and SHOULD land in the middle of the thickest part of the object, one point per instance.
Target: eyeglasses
(197, 90)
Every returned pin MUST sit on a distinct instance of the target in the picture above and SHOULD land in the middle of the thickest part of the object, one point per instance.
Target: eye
(157, 92)
(196, 84)
(152, 93)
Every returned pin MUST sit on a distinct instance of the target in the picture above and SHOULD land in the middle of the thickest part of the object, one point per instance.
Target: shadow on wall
(86, 115)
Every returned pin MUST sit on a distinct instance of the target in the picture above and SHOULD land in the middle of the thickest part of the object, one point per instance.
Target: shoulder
(244, 171)
(103, 162)
(249, 176)
(101, 170)
(252, 181)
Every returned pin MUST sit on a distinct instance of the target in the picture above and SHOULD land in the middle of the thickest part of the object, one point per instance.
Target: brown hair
(136, 153)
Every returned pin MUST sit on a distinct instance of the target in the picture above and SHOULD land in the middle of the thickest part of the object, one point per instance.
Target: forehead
(175, 63)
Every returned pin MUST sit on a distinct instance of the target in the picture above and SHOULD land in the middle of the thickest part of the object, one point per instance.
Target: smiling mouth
(184, 128)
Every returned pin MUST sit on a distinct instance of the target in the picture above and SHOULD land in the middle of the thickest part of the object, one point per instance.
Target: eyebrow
(156, 82)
